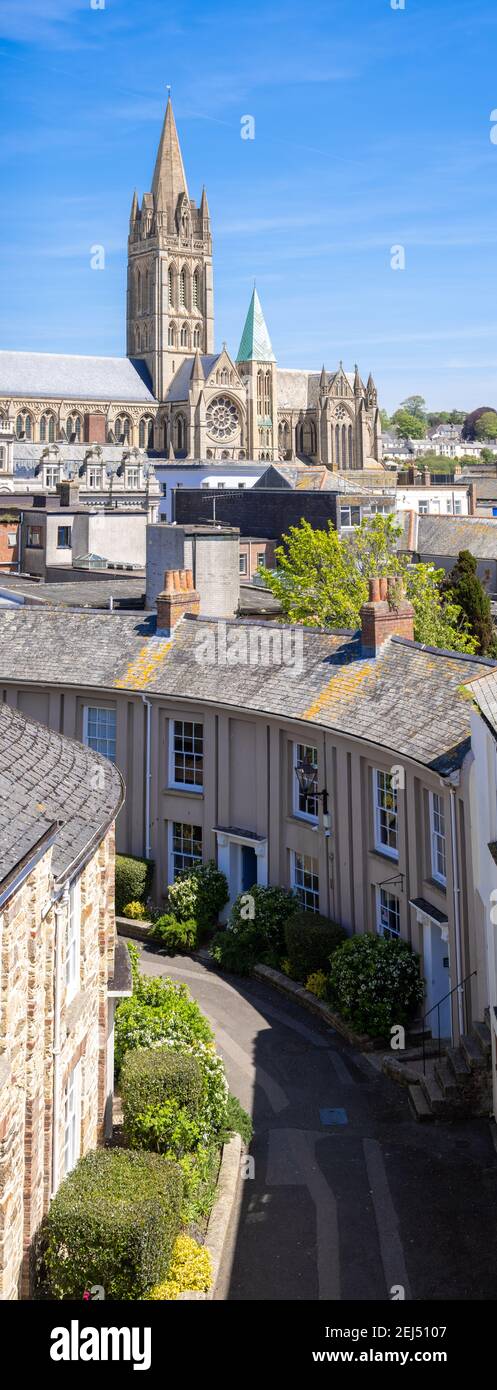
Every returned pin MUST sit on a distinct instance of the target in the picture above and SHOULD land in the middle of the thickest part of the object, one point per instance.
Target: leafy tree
(409, 426)
(457, 417)
(470, 595)
(487, 456)
(322, 580)
(486, 426)
(415, 405)
(385, 420)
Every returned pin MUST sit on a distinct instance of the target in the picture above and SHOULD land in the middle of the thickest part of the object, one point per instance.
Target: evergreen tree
(468, 592)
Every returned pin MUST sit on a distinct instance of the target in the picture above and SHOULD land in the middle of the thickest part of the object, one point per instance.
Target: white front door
(437, 979)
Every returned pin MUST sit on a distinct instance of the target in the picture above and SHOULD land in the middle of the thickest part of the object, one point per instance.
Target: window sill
(388, 855)
(438, 883)
(178, 790)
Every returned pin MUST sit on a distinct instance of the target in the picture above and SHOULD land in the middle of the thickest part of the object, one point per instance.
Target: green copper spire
(256, 343)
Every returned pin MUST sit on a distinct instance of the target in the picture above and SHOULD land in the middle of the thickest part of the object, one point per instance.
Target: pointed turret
(134, 212)
(358, 386)
(198, 371)
(204, 206)
(171, 454)
(370, 386)
(169, 180)
(255, 344)
(323, 380)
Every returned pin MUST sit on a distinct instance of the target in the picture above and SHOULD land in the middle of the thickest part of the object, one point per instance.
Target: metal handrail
(460, 986)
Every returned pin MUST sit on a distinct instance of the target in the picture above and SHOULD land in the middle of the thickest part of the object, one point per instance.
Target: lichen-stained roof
(409, 699)
(447, 535)
(57, 375)
(484, 691)
(45, 778)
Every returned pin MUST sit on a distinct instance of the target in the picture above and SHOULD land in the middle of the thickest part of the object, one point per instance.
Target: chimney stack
(386, 614)
(177, 599)
(68, 493)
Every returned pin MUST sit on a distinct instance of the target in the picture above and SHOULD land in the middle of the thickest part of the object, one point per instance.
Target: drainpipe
(61, 908)
(453, 784)
(148, 772)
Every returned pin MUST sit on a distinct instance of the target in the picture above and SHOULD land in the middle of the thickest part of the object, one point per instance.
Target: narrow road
(349, 1197)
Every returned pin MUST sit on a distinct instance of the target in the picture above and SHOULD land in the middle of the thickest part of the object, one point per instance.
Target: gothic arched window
(182, 288)
(351, 452)
(184, 336)
(195, 290)
(171, 337)
(267, 395)
(73, 428)
(180, 433)
(138, 292)
(196, 337)
(260, 393)
(146, 432)
(122, 429)
(170, 282)
(47, 428)
(337, 445)
(147, 292)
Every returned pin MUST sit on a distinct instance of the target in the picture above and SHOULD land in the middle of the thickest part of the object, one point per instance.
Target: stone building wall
(27, 976)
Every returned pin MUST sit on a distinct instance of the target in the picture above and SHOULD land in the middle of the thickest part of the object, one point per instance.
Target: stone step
(446, 1080)
(416, 1032)
(421, 1110)
(482, 1033)
(433, 1093)
(472, 1052)
(458, 1064)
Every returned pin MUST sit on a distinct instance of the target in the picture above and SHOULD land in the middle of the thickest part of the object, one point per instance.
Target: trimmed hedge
(113, 1222)
(151, 1076)
(310, 941)
(133, 881)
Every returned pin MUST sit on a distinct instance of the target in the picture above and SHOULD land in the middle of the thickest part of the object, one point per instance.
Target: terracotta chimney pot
(374, 590)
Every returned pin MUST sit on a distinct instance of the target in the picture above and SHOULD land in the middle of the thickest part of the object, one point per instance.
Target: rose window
(222, 418)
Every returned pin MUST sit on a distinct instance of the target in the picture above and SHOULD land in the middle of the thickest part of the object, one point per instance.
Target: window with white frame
(457, 506)
(94, 476)
(388, 914)
(132, 477)
(99, 730)
(73, 941)
(186, 847)
(52, 471)
(72, 1119)
(305, 880)
(304, 806)
(385, 814)
(449, 504)
(242, 564)
(187, 754)
(423, 506)
(350, 516)
(437, 833)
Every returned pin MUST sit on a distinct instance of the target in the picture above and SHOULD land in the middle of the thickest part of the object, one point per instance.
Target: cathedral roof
(255, 345)
(299, 390)
(55, 375)
(180, 385)
(169, 180)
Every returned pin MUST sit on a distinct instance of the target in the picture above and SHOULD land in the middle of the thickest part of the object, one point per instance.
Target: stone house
(60, 972)
(209, 721)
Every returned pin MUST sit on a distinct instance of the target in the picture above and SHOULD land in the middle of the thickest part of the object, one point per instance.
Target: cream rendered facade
(247, 813)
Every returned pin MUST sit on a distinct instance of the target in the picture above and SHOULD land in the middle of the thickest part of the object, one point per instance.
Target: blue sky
(372, 129)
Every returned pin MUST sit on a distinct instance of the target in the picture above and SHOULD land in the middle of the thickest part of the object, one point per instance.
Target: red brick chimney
(177, 598)
(386, 614)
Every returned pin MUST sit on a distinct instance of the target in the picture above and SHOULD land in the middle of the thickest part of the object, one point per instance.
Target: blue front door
(249, 868)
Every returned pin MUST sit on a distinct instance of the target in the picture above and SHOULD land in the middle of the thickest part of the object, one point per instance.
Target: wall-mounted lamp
(307, 779)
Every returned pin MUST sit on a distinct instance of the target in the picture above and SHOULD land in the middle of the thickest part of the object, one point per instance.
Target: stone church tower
(256, 364)
(170, 308)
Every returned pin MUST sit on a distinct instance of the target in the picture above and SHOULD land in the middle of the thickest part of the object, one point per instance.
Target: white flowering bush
(375, 983)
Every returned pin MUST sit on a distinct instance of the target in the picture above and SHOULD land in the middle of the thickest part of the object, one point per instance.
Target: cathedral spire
(198, 371)
(134, 211)
(169, 180)
(204, 206)
(255, 343)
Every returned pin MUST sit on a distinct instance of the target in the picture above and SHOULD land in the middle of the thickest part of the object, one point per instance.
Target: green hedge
(174, 935)
(113, 1222)
(133, 880)
(310, 941)
(151, 1076)
(198, 894)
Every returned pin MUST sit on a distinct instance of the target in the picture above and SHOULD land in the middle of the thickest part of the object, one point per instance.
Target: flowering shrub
(375, 983)
(190, 1270)
(317, 984)
(163, 1014)
(135, 911)
(255, 930)
(199, 894)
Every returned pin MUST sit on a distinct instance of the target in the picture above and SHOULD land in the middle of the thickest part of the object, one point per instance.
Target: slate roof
(45, 778)
(484, 691)
(299, 390)
(91, 593)
(447, 535)
(56, 375)
(409, 699)
(180, 385)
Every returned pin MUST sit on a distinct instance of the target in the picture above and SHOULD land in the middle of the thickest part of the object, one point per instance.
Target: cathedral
(173, 394)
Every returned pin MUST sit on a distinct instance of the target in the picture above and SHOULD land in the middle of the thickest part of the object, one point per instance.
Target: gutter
(148, 771)
(9, 885)
(452, 784)
(61, 908)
